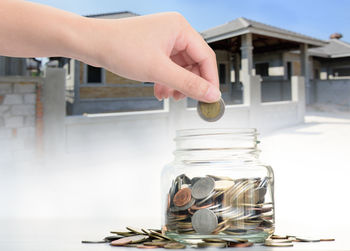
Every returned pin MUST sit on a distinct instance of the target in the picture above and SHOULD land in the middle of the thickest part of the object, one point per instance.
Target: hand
(161, 48)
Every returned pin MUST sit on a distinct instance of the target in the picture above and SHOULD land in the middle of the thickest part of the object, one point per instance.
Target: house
(244, 46)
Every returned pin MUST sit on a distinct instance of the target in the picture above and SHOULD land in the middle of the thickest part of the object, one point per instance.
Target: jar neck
(205, 145)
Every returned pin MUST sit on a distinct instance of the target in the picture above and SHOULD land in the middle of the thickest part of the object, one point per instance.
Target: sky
(318, 18)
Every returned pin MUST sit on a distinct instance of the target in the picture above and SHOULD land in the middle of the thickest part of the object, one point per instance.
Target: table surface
(66, 235)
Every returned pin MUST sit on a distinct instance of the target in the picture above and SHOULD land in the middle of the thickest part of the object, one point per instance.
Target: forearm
(33, 30)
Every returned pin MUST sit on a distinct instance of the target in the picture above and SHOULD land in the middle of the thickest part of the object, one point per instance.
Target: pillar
(304, 63)
(247, 54)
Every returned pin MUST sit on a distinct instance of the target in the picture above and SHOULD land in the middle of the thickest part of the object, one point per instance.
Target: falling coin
(211, 112)
(182, 197)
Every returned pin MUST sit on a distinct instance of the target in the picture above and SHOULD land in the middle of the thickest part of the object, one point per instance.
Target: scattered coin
(240, 244)
(307, 239)
(174, 245)
(112, 238)
(93, 242)
(212, 244)
(211, 112)
(203, 188)
(146, 246)
(204, 221)
(129, 240)
(327, 239)
(274, 243)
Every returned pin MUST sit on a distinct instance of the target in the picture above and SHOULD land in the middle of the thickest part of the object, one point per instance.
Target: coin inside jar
(211, 112)
(203, 188)
(182, 197)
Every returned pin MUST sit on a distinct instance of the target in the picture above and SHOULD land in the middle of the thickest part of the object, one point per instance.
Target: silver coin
(204, 221)
(211, 112)
(203, 188)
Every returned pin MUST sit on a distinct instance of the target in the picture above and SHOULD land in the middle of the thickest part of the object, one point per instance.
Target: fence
(140, 130)
(335, 91)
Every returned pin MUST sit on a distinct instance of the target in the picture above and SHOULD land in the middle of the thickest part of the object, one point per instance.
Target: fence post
(252, 97)
(54, 111)
(298, 96)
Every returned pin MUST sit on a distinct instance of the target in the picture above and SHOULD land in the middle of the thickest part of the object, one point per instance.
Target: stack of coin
(211, 205)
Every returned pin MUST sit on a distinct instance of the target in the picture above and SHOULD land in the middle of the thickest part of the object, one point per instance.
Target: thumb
(186, 82)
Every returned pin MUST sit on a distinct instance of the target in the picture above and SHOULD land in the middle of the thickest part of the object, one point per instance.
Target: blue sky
(315, 18)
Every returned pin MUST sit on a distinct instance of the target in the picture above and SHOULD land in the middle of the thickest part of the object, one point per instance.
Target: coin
(240, 244)
(182, 197)
(113, 238)
(135, 230)
(211, 112)
(204, 221)
(278, 244)
(129, 240)
(307, 239)
(203, 188)
(146, 246)
(212, 244)
(174, 245)
(93, 242)
(327, 239)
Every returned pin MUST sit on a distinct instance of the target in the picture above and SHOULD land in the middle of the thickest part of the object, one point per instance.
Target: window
(341, 72)
(262, 69)
(222, 73)
(94, 74)
(68, 66)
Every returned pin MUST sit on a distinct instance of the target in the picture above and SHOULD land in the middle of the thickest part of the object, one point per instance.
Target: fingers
(198, 51)
(161, 92)
(186, 82)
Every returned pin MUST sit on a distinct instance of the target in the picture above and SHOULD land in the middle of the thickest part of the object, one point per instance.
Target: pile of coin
(211, 112)
(154, 238)
(213, 205)
(287, 240)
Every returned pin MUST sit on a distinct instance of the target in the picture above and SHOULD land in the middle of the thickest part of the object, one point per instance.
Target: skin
(161, 48)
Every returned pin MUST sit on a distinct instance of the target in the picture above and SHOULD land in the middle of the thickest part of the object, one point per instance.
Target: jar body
(217, 192)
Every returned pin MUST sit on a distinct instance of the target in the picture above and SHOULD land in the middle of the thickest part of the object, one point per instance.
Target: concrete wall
(20, 115)
(333, 91)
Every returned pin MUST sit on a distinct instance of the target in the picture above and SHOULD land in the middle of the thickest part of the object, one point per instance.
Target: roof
(334, 49)
(243, 25)
(114, 15)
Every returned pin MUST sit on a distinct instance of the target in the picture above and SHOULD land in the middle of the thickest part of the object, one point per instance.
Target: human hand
(161, 48)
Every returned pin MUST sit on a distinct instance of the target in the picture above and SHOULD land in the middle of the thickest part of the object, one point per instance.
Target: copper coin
(240, 245)
(182, 197)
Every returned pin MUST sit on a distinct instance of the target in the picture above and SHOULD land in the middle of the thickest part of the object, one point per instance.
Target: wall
(333, 91)
(20, 116)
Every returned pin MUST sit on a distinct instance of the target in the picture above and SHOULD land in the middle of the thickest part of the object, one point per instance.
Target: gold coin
(211, 112)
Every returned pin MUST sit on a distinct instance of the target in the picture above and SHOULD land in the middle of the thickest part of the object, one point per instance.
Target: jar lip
(215, 131)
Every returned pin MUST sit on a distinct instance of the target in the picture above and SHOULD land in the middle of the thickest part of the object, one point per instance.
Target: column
(247, 54)
(304, 63)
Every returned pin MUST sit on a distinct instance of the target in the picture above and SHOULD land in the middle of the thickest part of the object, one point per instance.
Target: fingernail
(159, 99)
(213, 94)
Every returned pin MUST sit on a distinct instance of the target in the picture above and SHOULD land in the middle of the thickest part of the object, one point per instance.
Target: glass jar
(216, 187)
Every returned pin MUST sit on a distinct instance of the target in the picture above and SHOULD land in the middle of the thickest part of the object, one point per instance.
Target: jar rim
(214, 131)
